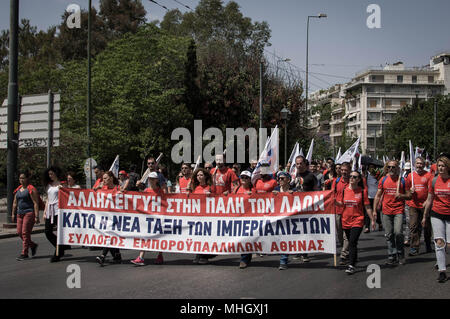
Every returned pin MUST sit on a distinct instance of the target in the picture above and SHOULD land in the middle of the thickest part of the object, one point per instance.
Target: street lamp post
(13, 102)
(322, 15)
(284, 116)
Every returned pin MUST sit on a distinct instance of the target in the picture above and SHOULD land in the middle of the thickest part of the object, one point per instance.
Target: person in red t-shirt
(395, 190)
(265, 184)
(438, 202)
(419, 180)
(99, 172)
(245, 188)
(433, 169)
(353, 200)
(338, 186)
(202, 184)
(156, 190)
(246, 185)
(224, 178)
(185, 179)
(110, 184)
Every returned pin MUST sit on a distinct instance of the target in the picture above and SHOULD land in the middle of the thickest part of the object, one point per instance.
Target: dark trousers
(353, 237)
(246, 258)
(51, 235)
(415, 227)
(115, 252)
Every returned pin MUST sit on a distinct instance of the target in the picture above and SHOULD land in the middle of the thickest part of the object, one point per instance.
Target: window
(371, 116)
(387, 89)
(399, 78)
(388, 103)
(403, 103)
(430, 79)
(372, 103)
(414, 79)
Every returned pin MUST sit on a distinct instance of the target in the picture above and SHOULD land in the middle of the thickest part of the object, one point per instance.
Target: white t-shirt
(52, 193)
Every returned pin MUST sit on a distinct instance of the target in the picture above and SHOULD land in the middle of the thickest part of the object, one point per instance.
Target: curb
(14, 234)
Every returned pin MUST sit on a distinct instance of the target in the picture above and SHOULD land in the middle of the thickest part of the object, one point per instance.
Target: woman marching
(26, 204)
(110, 183)
(245, 187)
(284, 180)
(353, 200)
(52, 181)
(438, 202)
(153, 189)
(201, 183)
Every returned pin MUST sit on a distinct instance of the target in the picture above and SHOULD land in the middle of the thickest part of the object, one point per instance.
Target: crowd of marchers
(402, 203)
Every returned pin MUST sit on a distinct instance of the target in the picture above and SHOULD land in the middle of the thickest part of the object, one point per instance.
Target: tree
(415, 123)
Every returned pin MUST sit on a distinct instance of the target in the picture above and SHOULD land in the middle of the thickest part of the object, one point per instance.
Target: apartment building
(365, 105)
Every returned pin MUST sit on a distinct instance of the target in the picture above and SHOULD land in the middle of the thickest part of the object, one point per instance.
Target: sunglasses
(391, 167)
(354, 176)
(245, 177)
(151, 163)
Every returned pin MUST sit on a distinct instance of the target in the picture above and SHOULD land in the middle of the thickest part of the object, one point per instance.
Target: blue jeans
(393, 226)
(246, 258)
(284, 259)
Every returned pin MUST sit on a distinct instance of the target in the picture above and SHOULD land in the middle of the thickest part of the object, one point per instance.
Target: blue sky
(411, 30)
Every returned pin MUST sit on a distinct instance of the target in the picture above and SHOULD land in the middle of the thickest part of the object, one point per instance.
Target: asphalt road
(179, 278)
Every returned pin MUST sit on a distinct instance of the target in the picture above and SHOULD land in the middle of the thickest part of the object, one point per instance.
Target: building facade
(363, 107)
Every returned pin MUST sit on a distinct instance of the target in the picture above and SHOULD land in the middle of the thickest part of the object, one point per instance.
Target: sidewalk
(12, 232)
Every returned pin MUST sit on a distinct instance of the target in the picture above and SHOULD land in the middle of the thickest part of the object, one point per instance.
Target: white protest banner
(233, 224)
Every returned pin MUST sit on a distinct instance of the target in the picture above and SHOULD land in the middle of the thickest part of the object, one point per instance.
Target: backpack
(433, 183)
(401, 179)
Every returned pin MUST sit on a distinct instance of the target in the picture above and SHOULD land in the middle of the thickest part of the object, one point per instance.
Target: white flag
(350, 153)
(413, 162)
(338, 155)
(402, 161)
(360, 164)
(310, 151)
(197, 164)
(294, 153)
(269, 155)
(115, 167)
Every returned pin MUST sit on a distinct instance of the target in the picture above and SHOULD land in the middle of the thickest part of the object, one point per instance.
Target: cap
(153, 175)
(265, 170)
(246, 173)
(122, 173)
(408, 165)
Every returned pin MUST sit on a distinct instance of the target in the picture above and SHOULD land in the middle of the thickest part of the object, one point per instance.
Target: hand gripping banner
(280, 223)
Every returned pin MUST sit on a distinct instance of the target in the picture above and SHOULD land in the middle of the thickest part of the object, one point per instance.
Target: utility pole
(88, 110)
(13, 98)
(434, 130)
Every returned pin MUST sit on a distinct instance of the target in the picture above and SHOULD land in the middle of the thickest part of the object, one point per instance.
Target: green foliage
(416, 123)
